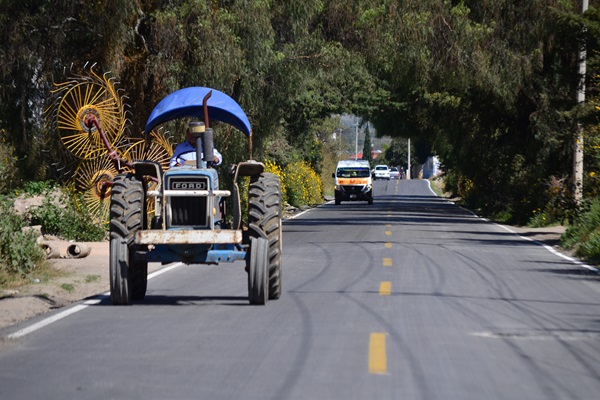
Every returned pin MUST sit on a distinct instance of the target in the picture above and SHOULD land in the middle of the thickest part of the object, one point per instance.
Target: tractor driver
(187, 150)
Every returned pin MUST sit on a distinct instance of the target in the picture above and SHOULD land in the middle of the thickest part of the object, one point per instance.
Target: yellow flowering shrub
(273, 168)
(300, 185)
(303, 185)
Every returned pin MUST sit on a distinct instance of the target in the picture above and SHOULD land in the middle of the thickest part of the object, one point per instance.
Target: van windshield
(353, 172)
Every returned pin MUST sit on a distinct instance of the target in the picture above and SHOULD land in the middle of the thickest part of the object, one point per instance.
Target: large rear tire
(264, 221)
(128, 267)
(258, 290)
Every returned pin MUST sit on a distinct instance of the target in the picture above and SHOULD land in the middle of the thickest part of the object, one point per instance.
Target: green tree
(486, 84)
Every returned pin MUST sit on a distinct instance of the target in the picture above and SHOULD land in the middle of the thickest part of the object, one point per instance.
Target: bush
(584, 234)
(539, 219)
(66, 221)
(590, 249)
(19, 252)
(273, 168)
(34, 188)
(303, 185)
(559, 204)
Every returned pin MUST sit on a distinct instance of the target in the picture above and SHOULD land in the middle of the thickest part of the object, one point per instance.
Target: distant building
(375, 154)
(431, 167)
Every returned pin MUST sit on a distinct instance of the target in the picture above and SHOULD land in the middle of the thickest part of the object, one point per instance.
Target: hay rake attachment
(84, 102)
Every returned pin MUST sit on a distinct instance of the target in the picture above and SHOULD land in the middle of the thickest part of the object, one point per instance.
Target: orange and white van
(353, 181)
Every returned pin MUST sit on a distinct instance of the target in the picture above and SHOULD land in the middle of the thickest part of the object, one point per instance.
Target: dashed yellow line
(377, 354)
(388, 225)
(388, 232)
(385, 288)
(388, 245)
(387, 262)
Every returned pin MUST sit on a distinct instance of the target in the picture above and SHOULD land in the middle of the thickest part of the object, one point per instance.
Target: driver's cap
(196, 126)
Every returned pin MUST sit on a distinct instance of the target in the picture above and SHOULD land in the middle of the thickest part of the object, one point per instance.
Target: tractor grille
(189, 211)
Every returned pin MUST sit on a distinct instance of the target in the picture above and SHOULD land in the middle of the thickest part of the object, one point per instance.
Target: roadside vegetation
(583, 235)
(20, 254)
(583, 222)
(22, 259)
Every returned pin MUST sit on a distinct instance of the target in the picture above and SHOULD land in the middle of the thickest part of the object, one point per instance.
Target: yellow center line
(388, 232)
(388, 245)
(385, 288)
(387, 262)
(377, 354)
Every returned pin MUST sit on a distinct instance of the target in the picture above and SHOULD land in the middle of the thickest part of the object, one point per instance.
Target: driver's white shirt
(186, 152)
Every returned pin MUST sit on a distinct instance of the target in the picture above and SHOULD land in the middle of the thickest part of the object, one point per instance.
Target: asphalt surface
(409, 298)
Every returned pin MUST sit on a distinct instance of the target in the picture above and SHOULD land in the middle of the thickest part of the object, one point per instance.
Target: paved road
(410, 298)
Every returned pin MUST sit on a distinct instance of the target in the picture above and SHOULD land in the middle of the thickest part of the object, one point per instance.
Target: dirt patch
(77, 279)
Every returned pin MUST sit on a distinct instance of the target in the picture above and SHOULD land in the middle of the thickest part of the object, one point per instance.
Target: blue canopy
(187, 103)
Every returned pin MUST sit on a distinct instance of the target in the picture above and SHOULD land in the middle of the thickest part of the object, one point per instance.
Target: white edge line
(305, 211)
(297, 215)
(549, 248)
(72, 310)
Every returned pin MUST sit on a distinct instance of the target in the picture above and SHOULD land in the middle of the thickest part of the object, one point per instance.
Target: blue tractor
(188, 224)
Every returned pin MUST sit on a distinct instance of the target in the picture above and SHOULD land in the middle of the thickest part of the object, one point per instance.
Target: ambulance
(353, 181)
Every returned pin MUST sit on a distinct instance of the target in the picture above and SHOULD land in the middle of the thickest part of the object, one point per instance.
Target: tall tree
(486, 84)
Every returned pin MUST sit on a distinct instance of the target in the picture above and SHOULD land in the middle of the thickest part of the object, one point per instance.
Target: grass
(438, 186)
(583, 235)
(68, 287)
(92, 278)
(43, 274)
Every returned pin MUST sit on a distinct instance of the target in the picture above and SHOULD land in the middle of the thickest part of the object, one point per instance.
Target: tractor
(189, 222)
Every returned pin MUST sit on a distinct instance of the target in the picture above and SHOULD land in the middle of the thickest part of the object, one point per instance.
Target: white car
(394, 173)
(381, 172)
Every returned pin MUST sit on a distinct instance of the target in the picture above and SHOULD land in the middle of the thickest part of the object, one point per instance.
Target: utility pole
(408, 169)
(356, 141)
(578, 145)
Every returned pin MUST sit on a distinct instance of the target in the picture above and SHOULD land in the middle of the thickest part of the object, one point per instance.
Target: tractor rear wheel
(258, 290)
(128, 267)
(264, 221)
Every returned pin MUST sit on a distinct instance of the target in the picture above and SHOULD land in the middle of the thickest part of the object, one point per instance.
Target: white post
(578, 145)
(356, 141)
(408, 171)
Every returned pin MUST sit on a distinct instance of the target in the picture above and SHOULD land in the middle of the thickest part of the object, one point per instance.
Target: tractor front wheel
(128, 267)
(258, 289)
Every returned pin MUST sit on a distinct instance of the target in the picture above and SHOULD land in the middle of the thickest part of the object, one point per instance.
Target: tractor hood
(187, 103)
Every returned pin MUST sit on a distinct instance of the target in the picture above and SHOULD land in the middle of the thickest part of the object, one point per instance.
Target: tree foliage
(488, 85)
